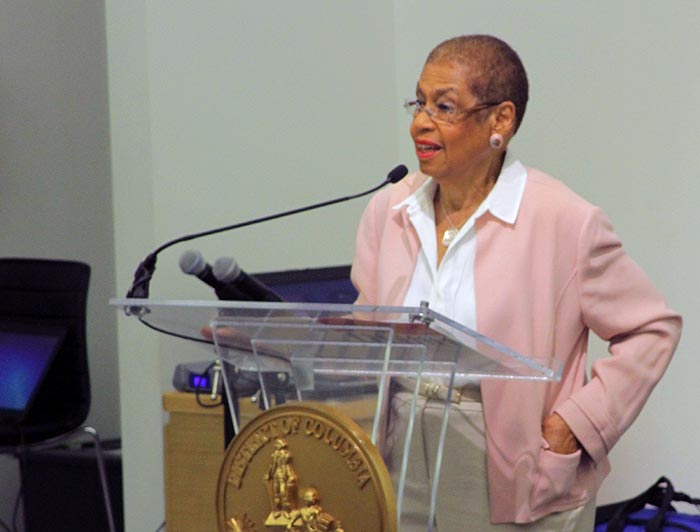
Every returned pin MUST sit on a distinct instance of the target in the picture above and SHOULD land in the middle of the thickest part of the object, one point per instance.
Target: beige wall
(55, 179)
(224, 111)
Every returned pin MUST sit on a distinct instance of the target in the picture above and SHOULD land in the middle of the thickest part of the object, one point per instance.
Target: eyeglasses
(445, 112)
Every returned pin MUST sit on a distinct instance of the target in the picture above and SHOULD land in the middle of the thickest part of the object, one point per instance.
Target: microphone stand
(144, 272)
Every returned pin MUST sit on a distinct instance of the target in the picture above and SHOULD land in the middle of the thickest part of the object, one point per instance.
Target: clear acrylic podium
(345, 355)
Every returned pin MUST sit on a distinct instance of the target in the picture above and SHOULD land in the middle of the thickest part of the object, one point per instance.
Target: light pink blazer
(541, 284)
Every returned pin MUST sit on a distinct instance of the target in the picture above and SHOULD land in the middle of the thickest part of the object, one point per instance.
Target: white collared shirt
(449, 288)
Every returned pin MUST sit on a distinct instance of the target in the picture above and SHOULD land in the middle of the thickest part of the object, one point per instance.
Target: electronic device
(195, 376)
(26, 353)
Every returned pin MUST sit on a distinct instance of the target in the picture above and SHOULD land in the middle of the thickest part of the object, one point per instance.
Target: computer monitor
(26, 353)
(329, 284)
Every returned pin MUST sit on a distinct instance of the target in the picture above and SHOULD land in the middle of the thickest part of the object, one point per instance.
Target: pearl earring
(496, 140)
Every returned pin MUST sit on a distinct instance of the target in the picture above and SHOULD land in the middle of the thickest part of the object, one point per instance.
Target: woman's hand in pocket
(559, 436)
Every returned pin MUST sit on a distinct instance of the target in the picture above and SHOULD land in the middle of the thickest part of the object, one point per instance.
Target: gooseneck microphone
(144, 272)
(192, 263)
(227, 271)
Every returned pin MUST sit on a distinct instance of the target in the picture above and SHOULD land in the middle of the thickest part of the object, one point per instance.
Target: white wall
(226, 110)
(614, 113)
(223, 111)
(55, 181)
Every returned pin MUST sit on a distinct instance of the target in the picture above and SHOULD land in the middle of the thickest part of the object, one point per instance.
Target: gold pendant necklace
(451, 233)
(448, 236)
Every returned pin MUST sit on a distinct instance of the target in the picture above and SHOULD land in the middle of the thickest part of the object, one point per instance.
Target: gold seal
(304, 467)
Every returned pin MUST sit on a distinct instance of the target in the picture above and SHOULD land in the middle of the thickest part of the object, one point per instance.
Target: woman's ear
(504, 119)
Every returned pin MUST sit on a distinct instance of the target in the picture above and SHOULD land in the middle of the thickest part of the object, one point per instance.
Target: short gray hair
(496, 72)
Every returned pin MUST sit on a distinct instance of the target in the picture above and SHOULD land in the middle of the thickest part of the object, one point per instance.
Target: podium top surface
(340, 338)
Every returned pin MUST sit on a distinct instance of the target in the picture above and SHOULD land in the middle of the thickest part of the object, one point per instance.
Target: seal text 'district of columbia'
(309, 427)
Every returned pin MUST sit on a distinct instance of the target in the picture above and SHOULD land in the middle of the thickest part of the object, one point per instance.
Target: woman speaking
(516, 255)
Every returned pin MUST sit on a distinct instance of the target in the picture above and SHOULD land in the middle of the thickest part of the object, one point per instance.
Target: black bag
(651, 511)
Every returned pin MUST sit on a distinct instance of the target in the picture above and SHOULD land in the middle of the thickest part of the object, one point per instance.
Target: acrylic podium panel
(345, 354)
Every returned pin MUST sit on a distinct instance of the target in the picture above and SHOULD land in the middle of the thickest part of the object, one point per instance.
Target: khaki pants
(463, 492)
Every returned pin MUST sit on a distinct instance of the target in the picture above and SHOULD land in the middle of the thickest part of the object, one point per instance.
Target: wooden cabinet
(193, 448)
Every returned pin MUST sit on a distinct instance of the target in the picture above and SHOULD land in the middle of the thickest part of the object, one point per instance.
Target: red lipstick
(426, 149)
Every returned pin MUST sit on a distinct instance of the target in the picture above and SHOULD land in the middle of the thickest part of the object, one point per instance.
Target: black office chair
(52, 293)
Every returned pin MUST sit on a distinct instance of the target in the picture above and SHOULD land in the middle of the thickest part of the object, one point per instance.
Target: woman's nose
(422, 121)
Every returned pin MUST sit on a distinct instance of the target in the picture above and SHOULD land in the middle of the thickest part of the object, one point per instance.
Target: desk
(193, 449)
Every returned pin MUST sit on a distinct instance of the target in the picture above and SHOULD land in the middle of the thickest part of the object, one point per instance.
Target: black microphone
(227, 271)
(144, 271)
(192, 263)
